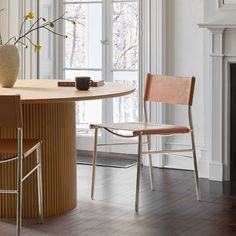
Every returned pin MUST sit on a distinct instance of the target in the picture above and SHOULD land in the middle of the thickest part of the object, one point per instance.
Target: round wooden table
(49, 114)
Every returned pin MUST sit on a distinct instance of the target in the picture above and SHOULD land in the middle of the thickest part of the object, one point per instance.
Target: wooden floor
(170, 210)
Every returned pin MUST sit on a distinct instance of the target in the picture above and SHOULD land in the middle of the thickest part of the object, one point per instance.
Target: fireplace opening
(233, 122)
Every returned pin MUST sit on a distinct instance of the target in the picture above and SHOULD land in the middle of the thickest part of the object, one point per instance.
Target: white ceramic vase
(9, 65)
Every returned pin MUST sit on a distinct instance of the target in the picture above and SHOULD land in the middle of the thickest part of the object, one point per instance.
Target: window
(83, 53)
(125, 50)
(104, 44)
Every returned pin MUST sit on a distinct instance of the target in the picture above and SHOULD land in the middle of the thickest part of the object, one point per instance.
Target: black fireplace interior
(233, 122)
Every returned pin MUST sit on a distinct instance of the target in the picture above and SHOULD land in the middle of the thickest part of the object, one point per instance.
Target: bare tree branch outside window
(125, 50)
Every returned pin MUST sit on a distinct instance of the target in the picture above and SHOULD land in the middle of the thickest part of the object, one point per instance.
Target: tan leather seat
(9, 146)
(145, 128)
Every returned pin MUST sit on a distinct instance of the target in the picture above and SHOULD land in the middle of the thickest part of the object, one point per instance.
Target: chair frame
(21, 179)
(140, 143)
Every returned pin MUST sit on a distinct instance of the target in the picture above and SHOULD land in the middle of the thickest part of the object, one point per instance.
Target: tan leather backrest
(169, 89)
(10, 111)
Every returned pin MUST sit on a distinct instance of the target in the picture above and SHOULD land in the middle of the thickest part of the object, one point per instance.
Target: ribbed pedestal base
(55, 125)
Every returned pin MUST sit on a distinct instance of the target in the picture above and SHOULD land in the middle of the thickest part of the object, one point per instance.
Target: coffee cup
(83, 82)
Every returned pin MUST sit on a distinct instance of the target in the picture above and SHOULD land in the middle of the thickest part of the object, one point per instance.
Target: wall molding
(226, 5)
(216, 171)
(157, 64)
(187, 163)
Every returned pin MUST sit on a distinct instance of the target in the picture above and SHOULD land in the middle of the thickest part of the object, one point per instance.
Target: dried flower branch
(39, 23)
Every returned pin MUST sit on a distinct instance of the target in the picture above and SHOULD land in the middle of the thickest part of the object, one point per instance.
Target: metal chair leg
(150, 164)
(94, 162)
(19, 209)
(194, 154)
(195, 167)
(138, 172)
(39, 181)
(19, 185)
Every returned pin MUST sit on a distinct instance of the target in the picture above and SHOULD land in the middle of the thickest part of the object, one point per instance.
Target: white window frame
(106, 57)
(152, 57)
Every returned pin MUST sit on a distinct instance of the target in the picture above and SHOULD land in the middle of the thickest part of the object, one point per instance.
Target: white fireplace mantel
(222, 52)
(215, 25)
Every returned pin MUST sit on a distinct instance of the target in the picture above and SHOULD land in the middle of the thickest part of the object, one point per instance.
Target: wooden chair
(16, 150)
(164, 89)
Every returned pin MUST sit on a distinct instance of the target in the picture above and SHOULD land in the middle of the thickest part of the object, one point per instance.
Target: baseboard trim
(216, 171)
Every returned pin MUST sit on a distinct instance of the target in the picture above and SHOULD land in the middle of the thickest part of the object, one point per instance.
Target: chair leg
(138, 172)
(150, 164)
(19, 186)
(195, 167)
(19, 209)
(94, 162)
(39, 182)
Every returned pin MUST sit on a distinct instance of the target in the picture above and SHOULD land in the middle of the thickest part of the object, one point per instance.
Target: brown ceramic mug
(83, 82)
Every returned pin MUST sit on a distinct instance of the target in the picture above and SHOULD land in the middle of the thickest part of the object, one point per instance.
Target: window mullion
(109, 28)
(104, 61)
(108, 103)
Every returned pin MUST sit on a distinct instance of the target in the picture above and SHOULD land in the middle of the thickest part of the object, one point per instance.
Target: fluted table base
(54, 123)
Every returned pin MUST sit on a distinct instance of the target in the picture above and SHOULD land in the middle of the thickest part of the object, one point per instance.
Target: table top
(47, 91)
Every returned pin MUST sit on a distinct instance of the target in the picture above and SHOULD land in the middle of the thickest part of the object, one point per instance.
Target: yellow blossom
(37, 47)
(30, 15)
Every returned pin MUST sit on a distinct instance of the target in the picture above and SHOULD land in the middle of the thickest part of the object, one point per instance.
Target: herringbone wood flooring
(171, 210)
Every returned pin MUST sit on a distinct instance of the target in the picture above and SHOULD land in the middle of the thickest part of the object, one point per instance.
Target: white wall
(212, 13)
(184, 45)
